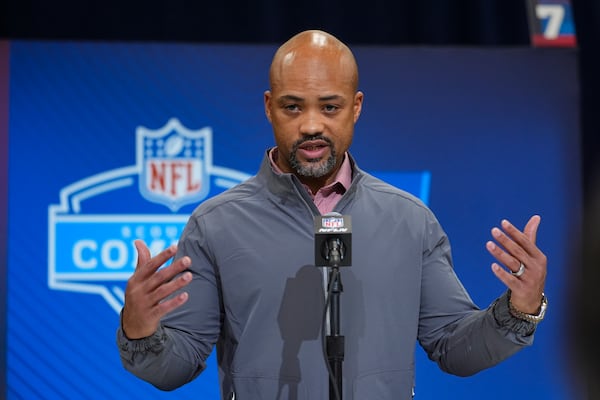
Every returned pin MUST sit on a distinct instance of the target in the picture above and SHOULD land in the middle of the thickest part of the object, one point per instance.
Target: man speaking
(244, 277)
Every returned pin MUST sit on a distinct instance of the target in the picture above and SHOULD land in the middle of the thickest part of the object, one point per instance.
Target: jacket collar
(287, 184)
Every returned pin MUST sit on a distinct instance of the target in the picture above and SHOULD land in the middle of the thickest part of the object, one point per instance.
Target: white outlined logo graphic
(92, 252)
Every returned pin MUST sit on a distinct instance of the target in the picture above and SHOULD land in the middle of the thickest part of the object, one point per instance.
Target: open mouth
(313, 149)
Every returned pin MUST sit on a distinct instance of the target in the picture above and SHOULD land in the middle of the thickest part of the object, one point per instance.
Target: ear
(358, 100)
(267, 99)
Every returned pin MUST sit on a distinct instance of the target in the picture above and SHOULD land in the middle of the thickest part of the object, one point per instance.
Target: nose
(312, 123)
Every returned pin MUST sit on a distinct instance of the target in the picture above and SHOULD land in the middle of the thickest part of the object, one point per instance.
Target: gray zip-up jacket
(257, 295)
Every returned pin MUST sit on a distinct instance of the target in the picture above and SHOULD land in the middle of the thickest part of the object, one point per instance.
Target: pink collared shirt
(328, 196)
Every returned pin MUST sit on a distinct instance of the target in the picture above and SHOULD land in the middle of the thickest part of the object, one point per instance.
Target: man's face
(312, 107)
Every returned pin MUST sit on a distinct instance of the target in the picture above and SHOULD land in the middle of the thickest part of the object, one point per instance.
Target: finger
(148, 265)
(168, 288)
(167, 274)
(516, 240)
(510, 281)
(167, 306)
(503, 257)
(513, 254)
(143, 252)
(532, 227)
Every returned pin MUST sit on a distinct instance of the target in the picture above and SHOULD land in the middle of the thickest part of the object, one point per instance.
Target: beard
(313, 167)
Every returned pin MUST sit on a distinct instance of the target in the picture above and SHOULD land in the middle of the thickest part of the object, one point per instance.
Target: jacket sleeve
(455, 333)
(176, 353)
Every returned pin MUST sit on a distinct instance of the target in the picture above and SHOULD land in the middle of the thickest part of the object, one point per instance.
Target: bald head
(311, 49)
(313, 104)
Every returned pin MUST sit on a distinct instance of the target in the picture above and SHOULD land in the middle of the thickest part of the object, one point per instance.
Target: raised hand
(526, 264)
(148, 289)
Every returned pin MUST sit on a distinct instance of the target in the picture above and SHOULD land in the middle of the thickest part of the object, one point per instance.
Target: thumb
(532, 227)
(143, 252)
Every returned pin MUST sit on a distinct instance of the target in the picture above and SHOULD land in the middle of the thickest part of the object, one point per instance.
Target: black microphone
(333, 240)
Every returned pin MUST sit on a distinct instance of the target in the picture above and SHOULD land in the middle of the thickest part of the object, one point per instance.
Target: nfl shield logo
(174, 164)
(332, 222)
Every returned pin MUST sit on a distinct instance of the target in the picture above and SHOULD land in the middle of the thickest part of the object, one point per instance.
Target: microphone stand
(335, 341)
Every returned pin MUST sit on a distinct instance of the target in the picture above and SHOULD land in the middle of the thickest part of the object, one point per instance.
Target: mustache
(310, 139)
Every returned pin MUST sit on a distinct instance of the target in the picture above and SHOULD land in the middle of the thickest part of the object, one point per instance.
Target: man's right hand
(148, 288)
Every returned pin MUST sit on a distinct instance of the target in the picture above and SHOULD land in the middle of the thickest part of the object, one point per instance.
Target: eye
(330, 108)
(293, 108)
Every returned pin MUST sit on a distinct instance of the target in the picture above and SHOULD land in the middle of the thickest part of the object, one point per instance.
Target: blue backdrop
(109, 142)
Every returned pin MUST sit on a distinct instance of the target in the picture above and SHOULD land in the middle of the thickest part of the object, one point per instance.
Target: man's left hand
(513, 248)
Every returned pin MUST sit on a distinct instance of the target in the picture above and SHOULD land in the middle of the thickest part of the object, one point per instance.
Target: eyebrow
(331, 97)
(290, 97)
